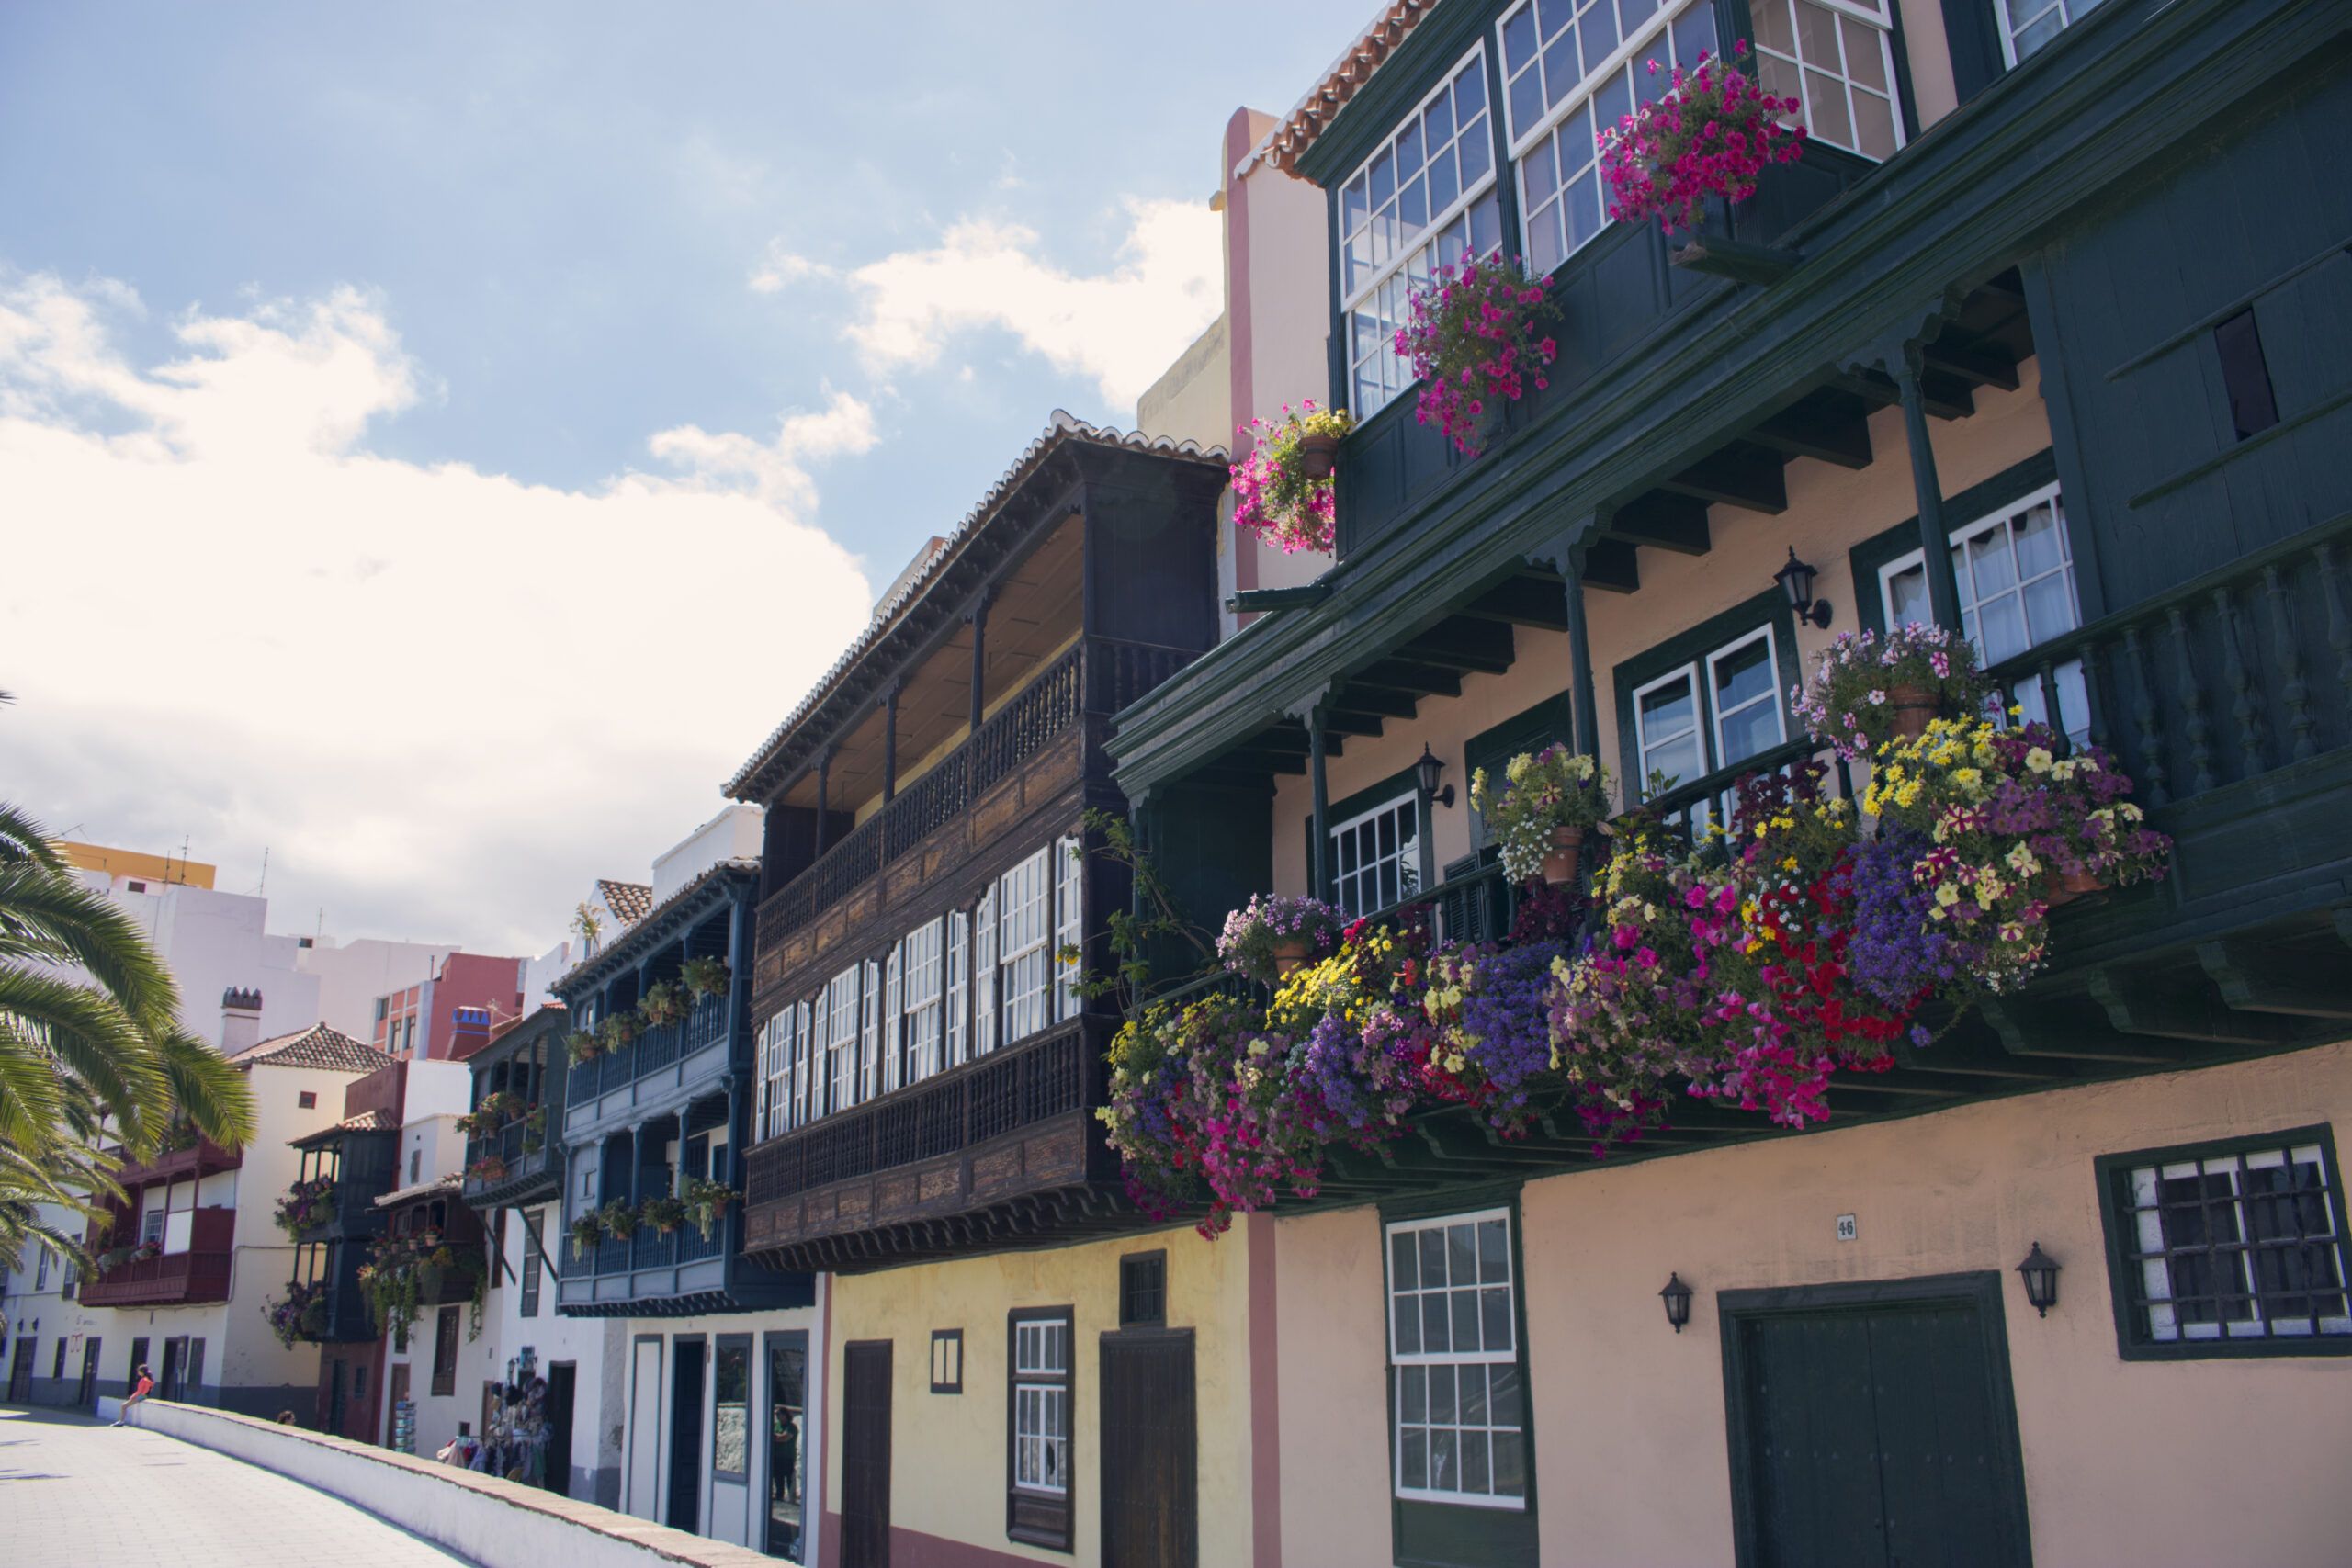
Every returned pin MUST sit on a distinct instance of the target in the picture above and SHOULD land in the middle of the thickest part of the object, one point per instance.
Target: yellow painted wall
(948, 1451)
(2208, 1462)
(131, 862)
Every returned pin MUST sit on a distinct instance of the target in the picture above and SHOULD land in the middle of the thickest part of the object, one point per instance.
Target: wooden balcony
(532, 1174)
(199, 1158)
(677, 1275)
(659, 1063)
(198, 1275)
(1000, 1152)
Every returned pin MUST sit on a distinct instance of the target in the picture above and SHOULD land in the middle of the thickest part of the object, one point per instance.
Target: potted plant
(705, 1201)
(1283, 488)
(583, 1046)
(618, 1031)
(535, 1129)
(1868, 689)
(705, 977)
(1539, 818)
(619, 1220)
(1273, 934)
(1711, 135)
(664, 1003)
(1472, 340)
(147, 1252)
(664, 1214)
(501, 1106)
(305, 1204)
(486, 1169)
(586, 1232)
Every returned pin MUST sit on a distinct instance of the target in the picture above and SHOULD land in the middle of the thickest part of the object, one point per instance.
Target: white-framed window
(923, 1001)
(1041, 1352)
(870, 1034)
(1460, 1433)
(893, 1032)
(820, 1059)
(2016, 570)
(776, 1072)
(1712, 712)
(984, 935)
(2235, 1246)
(1837, 59)
(1571, 71)
(1426, 198)
(1069, 925)
(2027, 25)
(1025, 941)
(959, 989)
(151, 1225)
(1377, 858)
(844, 996)
(801, 1096)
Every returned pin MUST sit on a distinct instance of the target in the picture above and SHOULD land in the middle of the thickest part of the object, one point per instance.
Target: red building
(427, 1021)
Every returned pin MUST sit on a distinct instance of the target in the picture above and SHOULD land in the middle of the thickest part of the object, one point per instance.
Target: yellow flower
(2038, 758)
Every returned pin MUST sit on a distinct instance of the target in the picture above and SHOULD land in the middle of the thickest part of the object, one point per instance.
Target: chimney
(240, 1020)
(468, 1032)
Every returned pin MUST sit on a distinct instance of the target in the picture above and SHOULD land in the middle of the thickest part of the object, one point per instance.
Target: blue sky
(408, 376)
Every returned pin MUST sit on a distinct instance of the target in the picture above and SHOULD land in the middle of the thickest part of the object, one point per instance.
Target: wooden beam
(1522, 601)
(1382, 700)
(1459, 643)
(1831, 427)
(1977, 366)
(2050, 1027)
(2254, 980)
(2147, 1004)
(1878, 389)
(1339, 720)
(1422, 680)
(1663, 520)
(1741, 474)
(1609, 564)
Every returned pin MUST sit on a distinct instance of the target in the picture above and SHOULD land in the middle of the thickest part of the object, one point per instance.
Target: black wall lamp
(1427, 769)
(2040, 1276)
(1677, 1296)
(1796, 580)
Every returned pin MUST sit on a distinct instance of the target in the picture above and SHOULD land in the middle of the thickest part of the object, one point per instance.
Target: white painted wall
(734, 834)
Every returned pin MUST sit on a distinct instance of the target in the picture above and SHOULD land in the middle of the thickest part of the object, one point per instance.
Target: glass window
(787, 1445)
(959, 987)
(1571, 73)
(730, 1428)
(841, 1003)
(1069, 925)
(921, 955)
(2016, 570)
(1460, 1433)
(1425, 199)
(1744, 696)
(2232, 1245)
(1377, 858)
(535, 1223)
(984, 977)
(1836, 60)
(1667, 718)
(1041, 1348)
(893, 1030)
(2027, 25)
(1720, 709)
(870, 1032)
(1024, 898)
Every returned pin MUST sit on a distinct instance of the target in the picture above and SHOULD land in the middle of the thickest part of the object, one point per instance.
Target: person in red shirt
(146, 1386)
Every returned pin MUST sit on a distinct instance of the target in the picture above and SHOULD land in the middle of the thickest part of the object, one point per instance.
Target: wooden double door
(1874, 1426)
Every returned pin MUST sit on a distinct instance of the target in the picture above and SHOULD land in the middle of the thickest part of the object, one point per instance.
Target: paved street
(73, 1491)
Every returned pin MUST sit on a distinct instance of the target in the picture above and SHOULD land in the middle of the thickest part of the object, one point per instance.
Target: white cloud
(1122, 328)
(442, 698)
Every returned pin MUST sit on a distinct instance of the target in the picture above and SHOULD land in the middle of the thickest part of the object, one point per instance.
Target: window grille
(1041, 1403)
(1460, 1424)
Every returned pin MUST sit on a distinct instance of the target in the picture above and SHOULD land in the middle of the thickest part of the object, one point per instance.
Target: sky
(439, 442)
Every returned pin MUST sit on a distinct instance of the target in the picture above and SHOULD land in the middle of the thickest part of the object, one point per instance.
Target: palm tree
(87, 1056)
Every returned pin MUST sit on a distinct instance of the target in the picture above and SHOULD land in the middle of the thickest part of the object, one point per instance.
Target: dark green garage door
(1874, 1427)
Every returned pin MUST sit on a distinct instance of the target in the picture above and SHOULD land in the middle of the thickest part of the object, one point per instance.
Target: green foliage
(1132, 933)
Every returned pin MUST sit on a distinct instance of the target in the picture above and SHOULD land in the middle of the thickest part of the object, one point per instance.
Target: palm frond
(213, 1095)
(91, 1041)
(49, 917)
(22, 839)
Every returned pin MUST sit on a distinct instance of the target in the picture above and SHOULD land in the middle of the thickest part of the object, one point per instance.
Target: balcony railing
(1049, 705)
(199, 1274)
(201, 1158)
(648, 1249)
(650, 1052)
(505, 1145)
(1023, 1084)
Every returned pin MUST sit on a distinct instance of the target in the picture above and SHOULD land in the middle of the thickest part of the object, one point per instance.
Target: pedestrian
(146, 1385)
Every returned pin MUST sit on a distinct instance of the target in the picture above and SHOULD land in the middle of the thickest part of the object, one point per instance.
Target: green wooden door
(1877, 1438)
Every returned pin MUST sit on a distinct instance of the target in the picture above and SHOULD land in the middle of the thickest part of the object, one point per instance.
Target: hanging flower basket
(1711, 134)
(664, 1004)
(1539, 817)
(1283, 488)
(1867, 689)
(1472, 339)
(583, 1046)
(705, 977)
(618, 1219)
(587, 1231)
(1271, 935)
(706, 1202)
(664, 1214)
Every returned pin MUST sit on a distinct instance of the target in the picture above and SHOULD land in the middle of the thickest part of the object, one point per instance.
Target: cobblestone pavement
(75, 1491)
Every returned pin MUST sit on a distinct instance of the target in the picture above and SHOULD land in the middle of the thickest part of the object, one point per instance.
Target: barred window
(1460, 1429)
(2231, 1248)
(1024, 931)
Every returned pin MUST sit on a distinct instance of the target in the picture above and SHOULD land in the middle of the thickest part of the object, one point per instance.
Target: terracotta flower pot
(1290, 955)
(2065, 887)
(1567, 848)
(1319, 454)
(1914, 711)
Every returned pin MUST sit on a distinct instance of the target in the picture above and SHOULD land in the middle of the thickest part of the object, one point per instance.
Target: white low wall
(493, 1523)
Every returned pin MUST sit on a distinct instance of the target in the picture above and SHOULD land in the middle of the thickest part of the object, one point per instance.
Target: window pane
(1511, 1469)
(1408, 1325)
(1413, 1467)
(1403, 1261)
(1494, 1251)
(1475, 1474)
(1413, 1395)
(1442, 1394)
(1465, 1320)
(1435, 1336)
(1494, 1316)
(1503, 1394)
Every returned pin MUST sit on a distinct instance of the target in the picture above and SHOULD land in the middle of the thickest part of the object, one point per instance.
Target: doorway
(563, 1378)
(168, 1387)
(20, 1371)
(86, 1396)
(645, 1428)
(1150, 1451)
(685, 1437)
(787, 1445)
(866, 1454)
(332, 1370)
(1873, 1426)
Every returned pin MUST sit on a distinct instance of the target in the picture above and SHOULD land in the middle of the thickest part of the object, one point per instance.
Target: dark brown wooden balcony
(198, 1275)
(200, 1156)
(1002, 1152)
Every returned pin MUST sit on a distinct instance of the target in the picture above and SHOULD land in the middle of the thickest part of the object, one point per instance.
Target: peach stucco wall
(2142, 1463)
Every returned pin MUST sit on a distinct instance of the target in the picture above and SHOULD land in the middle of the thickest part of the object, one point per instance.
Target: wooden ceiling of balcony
(1038, 607)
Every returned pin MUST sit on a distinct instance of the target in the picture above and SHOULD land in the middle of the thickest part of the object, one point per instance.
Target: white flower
(1878, 699)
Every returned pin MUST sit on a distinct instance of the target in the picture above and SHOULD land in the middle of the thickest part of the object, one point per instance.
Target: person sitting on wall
(146, 1386)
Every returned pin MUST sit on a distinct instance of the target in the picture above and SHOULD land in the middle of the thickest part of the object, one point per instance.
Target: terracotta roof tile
(626, 900)
(1288, 140)
(366, 1122)
(320, 1045)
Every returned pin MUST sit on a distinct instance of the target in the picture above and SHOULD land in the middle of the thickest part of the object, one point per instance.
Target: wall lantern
(1677, 1296)
(1428, 768)
(2040, 1280)
(1796, 580)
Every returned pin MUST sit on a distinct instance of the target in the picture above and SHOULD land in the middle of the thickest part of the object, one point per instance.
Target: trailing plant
(401, 1273)
(1490, 1008)
(305, 1204)
(587, 1231)
(618, 1219)
(1850, 701)
(1552, 789)
(663, 1215)
(477, 1301)
(1276, 489)
(535, 1129)
(487, 1170)
(1711, 134)
(705, 977)
(581, 1045)
(1256, 934)
(1154, 921)
(1472, 339)
(301, 1315)
(618, 1031)
(663, 1003)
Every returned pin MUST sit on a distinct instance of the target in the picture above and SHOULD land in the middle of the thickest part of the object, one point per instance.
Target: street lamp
(1796, 580)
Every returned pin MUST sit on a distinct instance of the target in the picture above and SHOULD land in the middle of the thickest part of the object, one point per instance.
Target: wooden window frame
(1134, 1263)
(528, 1285)
(446, 1329)
(947, 1361)
(1695, 646)
(1034, 1516)
(745, 1345)
(2134, 1343)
